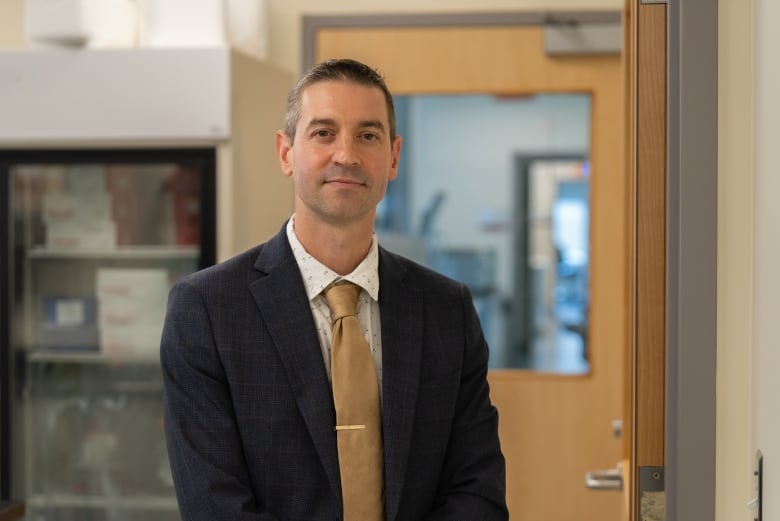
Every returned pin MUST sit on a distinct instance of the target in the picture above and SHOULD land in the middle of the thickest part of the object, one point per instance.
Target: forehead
(342, 100)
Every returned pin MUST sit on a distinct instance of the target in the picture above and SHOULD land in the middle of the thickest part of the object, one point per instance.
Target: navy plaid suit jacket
(249, 417)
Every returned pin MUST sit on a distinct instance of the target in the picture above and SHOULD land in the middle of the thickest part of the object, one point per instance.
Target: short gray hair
(343, 69)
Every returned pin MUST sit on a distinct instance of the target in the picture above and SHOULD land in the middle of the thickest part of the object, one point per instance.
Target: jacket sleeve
(473, 479)
(207, 462)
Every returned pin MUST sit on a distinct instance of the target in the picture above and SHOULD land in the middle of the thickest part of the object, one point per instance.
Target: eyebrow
(370, 123)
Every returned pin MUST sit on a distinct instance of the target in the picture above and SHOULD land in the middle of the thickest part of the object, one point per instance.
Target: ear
(284, 152)
(395, 157)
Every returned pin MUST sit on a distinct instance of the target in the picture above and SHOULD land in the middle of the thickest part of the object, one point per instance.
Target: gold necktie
(358, 420)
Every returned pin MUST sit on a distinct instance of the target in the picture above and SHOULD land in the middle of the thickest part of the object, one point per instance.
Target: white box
(132, 311)
(131, 341)
(142, 284)
(76, 234)
(64, 22)
(93, 23)
(66, 207)
(247, 26)
(115, 24)
(181, 23)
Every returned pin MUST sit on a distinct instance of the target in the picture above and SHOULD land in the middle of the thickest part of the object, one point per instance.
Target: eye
(369, 136)
(321, 133)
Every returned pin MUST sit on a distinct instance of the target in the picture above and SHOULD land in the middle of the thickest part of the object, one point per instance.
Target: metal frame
(692, 287)
(518, 336)
(5, 343)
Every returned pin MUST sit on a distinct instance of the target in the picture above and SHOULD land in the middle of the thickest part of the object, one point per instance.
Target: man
(253, 418)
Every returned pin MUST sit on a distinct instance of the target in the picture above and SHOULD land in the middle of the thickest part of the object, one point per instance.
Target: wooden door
(553, 428)
(647, 81)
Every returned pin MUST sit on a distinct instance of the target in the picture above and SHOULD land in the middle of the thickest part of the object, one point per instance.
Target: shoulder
(243, 268)
(411, 273)
(221, 272)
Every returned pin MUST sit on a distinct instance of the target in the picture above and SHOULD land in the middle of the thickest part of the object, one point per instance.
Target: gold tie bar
(349, 427)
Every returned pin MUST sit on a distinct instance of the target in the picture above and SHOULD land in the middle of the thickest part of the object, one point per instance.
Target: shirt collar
(316, 276)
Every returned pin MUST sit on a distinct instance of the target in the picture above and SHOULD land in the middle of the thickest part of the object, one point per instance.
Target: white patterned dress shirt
(316, 277)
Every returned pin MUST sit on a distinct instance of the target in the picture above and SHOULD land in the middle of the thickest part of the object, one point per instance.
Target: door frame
(691, 264)
(512, 60)
(691, 253)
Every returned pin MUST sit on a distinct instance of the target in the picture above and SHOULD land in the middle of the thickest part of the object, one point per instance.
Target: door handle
(610, 479)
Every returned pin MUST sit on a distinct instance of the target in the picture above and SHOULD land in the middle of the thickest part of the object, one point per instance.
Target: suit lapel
(281, 299)
(402, 329)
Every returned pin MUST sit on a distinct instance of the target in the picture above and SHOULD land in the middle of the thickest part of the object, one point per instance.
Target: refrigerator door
(94, 240)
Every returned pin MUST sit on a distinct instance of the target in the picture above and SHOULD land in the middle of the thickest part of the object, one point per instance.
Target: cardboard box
(131, 310)
(139, 284)
(66, 206)
(78, 23)
(78, 234)
(137, 341)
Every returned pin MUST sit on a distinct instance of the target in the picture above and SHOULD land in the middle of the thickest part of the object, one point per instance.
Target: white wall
(735, 260)
(766, 363)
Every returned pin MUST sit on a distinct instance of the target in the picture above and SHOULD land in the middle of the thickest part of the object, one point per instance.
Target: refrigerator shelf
(120, 252)
(44, 501)
(88, 357)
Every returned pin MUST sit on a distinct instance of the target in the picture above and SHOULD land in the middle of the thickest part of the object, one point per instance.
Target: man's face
(342, 157)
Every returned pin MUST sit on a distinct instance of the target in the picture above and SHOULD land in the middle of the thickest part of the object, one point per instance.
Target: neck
(340, 248)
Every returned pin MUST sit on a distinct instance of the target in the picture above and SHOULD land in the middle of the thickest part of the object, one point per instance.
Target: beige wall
(11, 24)
(735, 259)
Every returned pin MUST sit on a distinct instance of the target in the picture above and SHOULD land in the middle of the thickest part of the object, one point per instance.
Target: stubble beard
(337, 208)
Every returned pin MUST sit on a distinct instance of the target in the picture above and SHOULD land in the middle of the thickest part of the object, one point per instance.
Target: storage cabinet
(96, 238)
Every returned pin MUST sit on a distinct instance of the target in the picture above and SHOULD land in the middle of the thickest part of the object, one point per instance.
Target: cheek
(308, 161)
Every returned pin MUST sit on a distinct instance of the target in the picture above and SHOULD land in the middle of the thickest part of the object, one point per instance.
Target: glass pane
(494, 192)
(96, 246)
(556, 267)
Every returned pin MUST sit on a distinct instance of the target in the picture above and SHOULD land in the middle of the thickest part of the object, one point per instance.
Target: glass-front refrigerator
(91, 241)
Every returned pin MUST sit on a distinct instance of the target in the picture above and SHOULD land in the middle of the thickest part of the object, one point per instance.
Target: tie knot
(342, 299)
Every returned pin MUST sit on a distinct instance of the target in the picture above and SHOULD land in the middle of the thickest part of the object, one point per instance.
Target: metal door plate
(652, 497)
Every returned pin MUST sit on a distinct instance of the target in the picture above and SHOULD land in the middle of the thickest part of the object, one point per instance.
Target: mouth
(344, 181)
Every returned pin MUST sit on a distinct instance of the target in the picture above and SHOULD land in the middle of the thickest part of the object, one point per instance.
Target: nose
(346, 153)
